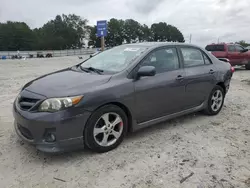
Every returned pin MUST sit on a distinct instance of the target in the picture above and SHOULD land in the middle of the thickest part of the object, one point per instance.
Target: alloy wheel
(108, 129)
(217, 100)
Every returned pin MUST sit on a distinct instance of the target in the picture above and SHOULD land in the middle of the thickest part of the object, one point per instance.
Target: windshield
(214, 48)
(115, 59)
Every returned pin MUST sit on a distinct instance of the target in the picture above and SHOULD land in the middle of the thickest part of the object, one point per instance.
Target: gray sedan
(95, 103)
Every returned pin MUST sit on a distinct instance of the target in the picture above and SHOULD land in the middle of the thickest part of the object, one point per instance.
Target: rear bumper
(66, 126)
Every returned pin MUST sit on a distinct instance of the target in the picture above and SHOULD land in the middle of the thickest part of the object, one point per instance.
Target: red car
(235, 54)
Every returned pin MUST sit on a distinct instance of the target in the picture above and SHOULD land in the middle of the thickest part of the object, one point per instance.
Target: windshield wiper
(83, 69)
(98, 71)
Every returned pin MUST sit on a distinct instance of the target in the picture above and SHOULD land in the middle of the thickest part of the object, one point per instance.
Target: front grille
(25, 132)
(27, 103)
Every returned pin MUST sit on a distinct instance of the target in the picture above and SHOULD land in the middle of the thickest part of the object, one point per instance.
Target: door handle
(211, 71)
(180, 77)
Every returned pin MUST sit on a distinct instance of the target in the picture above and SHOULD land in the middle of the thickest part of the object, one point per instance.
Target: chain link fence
(48, 53)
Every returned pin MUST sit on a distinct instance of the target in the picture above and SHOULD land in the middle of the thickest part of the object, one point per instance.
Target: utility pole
(218, 40)
(102, 43)
(190, 38)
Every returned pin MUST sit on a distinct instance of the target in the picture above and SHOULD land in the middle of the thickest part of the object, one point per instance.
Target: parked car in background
(40, 55)
(234, 53)
(126, 88)
(49, 55)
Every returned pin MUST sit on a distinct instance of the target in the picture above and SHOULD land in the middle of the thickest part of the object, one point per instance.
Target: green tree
(132, 31)
(63, 32)
(16, 36)
(78, 24)
(243, 43)
(175, 35)
(147, 34)
(93, 39)
(163, 32)
(160, 31)
(116, 33)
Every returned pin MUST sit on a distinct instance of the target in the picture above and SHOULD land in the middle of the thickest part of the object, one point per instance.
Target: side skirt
(167, 117)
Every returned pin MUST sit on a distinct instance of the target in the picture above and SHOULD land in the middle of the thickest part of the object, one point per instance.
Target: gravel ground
(210, 151)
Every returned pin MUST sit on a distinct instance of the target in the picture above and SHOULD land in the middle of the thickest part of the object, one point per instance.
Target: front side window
(192, 57)
(163, 60)
(239, 48)
(115, 59)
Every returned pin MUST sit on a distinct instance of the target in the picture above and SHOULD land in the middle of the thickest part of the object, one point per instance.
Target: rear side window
(231, 48)
(207, 60)
(214, 48)
(192, 57)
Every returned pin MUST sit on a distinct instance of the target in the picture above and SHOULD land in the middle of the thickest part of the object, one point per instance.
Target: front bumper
(67, 126)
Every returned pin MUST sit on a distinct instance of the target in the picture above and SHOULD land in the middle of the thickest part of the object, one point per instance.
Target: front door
(241, 56)
(200, 76)
(163, 93)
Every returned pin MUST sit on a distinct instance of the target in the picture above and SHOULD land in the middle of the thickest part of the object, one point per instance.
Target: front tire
(106, 128)
(215, 101)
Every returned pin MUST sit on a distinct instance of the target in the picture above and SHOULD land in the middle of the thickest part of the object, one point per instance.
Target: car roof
(222, 44)
(158, 44)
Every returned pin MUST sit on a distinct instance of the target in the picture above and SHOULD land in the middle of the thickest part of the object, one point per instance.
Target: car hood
(66, 82)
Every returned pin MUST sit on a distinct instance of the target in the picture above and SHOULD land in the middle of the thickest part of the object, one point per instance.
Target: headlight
(56, 104)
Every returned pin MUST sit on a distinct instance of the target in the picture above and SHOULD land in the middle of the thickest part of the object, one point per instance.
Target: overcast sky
(206, 20)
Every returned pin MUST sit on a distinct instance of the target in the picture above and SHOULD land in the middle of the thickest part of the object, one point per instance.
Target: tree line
(131, 31)
(70, 31)
(243, 43)
(64, 32)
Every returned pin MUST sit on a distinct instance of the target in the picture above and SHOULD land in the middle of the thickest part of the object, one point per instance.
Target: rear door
(199, 75)
(163, 93)
(232, 55)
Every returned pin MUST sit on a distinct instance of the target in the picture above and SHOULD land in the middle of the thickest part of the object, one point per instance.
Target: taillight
(232, 69)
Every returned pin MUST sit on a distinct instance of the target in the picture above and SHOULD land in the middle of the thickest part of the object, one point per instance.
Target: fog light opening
(50, 137)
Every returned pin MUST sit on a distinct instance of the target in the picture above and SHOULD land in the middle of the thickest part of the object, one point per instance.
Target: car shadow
(240, 69)
(166, 125)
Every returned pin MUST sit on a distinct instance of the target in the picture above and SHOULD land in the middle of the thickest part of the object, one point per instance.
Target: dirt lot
(214, 150)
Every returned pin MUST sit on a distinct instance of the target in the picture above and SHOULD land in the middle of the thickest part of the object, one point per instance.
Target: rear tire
(247, 66)
(215, 101)
(106, 128)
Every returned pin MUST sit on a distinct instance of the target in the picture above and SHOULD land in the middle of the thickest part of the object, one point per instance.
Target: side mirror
(146, 71)
(243, 51)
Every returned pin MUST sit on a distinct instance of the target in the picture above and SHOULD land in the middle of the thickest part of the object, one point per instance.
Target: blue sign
(102, 28)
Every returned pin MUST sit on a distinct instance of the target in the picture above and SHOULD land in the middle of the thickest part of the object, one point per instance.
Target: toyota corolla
(123, 89)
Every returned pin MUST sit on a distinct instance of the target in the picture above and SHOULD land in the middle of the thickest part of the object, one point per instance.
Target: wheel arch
(222, 84)
(125, 109)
